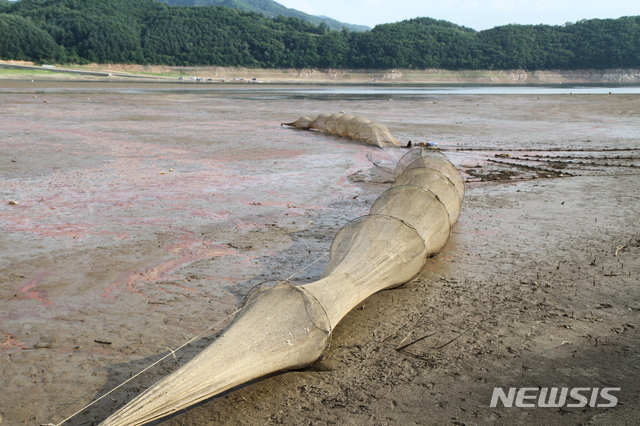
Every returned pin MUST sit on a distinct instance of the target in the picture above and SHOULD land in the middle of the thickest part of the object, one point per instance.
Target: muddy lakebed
(135, 217)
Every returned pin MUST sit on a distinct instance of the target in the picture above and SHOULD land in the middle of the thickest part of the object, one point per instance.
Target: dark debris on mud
(508, 164)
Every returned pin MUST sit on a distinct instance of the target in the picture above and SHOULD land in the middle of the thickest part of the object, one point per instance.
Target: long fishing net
(350, 126)
(288, 327)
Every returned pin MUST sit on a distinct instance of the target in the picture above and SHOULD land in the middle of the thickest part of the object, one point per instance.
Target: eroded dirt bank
(141, 219)
(211, 74)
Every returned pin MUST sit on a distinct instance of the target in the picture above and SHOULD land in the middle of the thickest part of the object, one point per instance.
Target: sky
(476, 14)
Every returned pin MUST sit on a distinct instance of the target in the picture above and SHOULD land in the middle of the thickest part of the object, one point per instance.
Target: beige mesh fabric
(354, 127)
(320, 123)
(376, 134)
(288, 327)
(342, 123)
(419, 208)
(362, 248)
(331, 123)
(347, 125)
(429, 158)
(437, 183)
(301, 123)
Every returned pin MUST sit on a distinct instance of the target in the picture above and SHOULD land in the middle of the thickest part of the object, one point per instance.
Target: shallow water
(321, 90)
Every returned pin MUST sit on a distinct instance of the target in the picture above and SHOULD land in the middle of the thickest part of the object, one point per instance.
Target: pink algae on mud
(30, 287)
(186, 252)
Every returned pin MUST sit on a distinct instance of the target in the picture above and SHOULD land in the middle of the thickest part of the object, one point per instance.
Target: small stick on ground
(401, 347)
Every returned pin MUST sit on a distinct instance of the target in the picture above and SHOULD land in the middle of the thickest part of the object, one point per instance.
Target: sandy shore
(142, 218)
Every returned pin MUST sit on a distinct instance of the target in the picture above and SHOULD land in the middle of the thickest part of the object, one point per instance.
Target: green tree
(150, 31)
(5, 6)
(333, 50)
(21, 39)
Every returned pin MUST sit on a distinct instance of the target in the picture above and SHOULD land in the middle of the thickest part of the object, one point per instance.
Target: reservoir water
(324, 91)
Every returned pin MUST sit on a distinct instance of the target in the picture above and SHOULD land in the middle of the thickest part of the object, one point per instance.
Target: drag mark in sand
(40, 295)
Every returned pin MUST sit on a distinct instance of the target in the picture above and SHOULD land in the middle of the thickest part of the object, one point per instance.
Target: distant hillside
(153, 32)
(270, 9)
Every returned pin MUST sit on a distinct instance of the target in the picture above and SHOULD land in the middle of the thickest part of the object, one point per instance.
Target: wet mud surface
(132, 222)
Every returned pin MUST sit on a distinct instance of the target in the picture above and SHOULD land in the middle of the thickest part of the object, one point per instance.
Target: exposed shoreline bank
(16, 70)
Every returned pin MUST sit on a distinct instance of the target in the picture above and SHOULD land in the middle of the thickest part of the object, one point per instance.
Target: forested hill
(151, 32)
(270, 9)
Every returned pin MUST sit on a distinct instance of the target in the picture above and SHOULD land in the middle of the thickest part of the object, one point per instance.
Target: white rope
(172, 352)
(308, 266)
